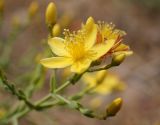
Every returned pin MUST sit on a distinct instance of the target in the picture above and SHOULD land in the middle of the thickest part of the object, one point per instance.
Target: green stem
(44, 99)
(61, 98)
(39, 104)
(99, 69)
(74, 79)
(49, 96)
(50, 27)
(15, 121)
(63, 86)
(20, 95)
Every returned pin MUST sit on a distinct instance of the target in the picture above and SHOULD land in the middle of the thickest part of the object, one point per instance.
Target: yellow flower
(107, 32)
(103, 82)
(77, 49)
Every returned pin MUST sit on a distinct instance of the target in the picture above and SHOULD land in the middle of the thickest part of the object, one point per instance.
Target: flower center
(75, 44)
(77, 50)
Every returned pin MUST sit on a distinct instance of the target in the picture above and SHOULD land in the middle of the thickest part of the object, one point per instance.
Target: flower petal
(57, 46)
(121, 47)
(127, 53)
(91, 33)
(56, 62)
(80, 66)
(102, 49)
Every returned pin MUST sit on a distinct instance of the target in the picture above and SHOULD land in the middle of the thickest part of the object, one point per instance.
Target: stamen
(75, 43)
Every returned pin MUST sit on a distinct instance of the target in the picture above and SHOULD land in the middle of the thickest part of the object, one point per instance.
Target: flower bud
(1, 6)
(32, 10)
(118, 59)
(114, 107)
(56, 30)
(51, 14)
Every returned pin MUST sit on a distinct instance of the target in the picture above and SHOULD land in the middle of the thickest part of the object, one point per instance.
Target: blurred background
(139, 18)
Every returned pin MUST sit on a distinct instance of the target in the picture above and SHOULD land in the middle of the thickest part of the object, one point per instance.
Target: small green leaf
(87, 112)
(74, 105)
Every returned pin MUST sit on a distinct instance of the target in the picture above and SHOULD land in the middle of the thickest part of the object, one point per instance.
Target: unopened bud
(51, 14)
(32, 10)
(114, 107)
(56, 30)
(118, 59)
(1, 6)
